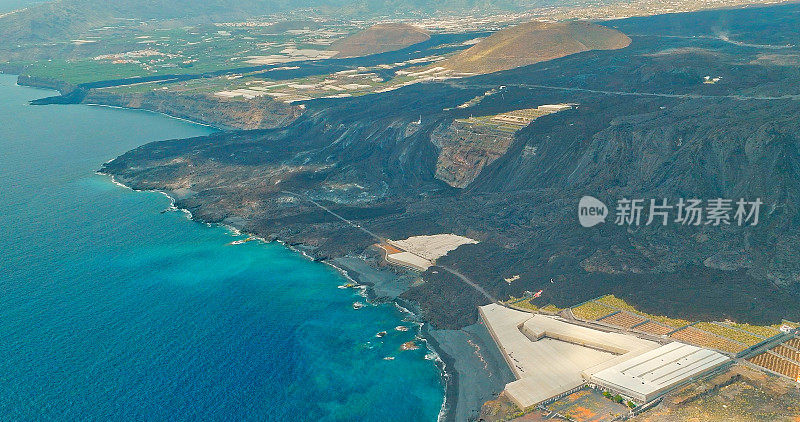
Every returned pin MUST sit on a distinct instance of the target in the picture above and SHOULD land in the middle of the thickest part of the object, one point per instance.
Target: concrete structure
(652, 374)
(408, 259)
(421, 252)
(549, 356)
(431, 247)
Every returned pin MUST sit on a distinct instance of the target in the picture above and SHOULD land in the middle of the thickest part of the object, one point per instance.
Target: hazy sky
(9, 5)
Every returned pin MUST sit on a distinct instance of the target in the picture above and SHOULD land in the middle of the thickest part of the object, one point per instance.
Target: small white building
(652, 374)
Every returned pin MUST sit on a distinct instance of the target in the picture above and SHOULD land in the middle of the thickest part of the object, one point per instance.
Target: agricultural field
(623, 319)
(777, 364)
(550, 309)
(111, 54)
(338, 84)
(787, 352)
(795, 342)
(765, 332)
(672, 322)
(288, 61)
(655, 328)
(591, 311)
(83, 71)
(253, 81)
(615, 302)
(701, 338)
(523, 304)
(512, 121)
(730, 333)
(725, 336)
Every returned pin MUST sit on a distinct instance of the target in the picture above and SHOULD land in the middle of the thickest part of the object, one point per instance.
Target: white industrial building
(551, 357)
(652, 374)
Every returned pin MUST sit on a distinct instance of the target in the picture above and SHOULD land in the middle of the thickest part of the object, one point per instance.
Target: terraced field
(777, 364)
(514, 120)
(623, 319)
(672, 322)
(654, 328)
(468, 145)
(701, 338)
(730, 333)
(765, 332)
(526, 305)
(551, 309)
(617, 303)
(787, 352)
(591, 311)
(725, 336)
(795, 342)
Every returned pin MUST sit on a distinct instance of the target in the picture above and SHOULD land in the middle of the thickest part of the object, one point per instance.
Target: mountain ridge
(534, 42)
(380, 38)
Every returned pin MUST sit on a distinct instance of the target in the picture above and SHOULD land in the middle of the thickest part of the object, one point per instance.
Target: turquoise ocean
(111, 310)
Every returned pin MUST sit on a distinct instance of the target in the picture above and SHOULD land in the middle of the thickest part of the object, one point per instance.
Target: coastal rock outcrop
(256, 113)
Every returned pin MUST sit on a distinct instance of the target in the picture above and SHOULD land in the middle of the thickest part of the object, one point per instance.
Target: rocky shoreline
(472, 369)
(256, 113)
(222, 113)
(62, 87)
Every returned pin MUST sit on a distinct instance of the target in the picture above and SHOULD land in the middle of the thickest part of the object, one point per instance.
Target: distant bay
(113, 310)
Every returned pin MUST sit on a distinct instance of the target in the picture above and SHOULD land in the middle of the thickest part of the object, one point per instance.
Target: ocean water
(113, 310)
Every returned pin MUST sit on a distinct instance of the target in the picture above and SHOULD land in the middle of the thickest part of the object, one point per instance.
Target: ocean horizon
(112, 309)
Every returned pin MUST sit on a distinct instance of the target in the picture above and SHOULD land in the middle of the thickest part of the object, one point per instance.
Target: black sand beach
(473, 368)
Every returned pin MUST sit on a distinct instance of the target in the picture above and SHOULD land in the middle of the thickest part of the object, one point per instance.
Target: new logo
(591, 211)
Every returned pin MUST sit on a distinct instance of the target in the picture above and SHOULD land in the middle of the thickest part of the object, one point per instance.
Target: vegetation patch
(591, 311)
(701, 338)
(730, 333)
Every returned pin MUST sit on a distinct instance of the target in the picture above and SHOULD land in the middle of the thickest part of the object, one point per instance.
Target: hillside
(535, 42)
(380, 39)
(645, 126)
(239, 113)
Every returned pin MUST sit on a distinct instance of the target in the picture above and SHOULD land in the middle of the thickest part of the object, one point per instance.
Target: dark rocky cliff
(37, 82)
(257, 113)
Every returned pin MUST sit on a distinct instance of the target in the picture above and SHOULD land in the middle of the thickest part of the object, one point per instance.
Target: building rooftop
(650, 374)
(550, 356)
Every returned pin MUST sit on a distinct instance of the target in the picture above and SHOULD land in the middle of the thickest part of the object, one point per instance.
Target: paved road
(460, 276)
(471, 283)
(635, 94)
(326, 209)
